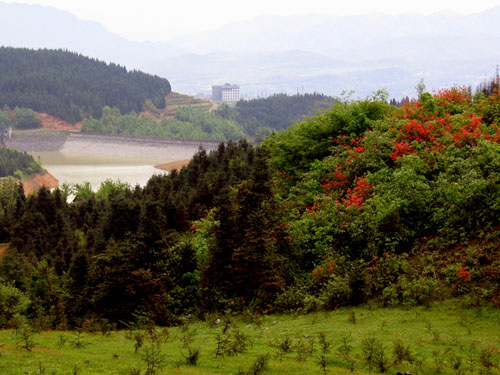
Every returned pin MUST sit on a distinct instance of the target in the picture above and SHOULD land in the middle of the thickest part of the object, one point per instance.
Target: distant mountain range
(274, 54)
(35, 26)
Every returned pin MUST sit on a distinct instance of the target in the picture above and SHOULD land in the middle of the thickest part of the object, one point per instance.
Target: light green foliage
(189, 123)
(420, 87)
(403, 343)
(301, 144)
(363, 181)
(8, 188)
(202, 237)
(4, 120)
(13, 303)
(82, 192)
(25, 118)
(110, 187)
(214, 126)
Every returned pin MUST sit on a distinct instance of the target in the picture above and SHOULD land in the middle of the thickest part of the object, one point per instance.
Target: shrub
(192, 356)
(13, 303)
(25, 118)
(294, 299)
(337, 292)
(418, 291)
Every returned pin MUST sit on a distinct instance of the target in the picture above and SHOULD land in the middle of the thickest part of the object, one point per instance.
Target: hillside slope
(71, 86)
(364, 201)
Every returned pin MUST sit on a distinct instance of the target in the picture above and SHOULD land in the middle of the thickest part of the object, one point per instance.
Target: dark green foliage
(192, 356)
(487, 357)
(4, 120)
(12, 161)
(71, 86)
(259, 117)
(117, 252)
(257, 368)
(324, 345)
(373, 353)
(231, 343)
(401, 352)
(245, 261)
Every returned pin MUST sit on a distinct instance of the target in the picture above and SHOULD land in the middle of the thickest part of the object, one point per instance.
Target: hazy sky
(160, 20)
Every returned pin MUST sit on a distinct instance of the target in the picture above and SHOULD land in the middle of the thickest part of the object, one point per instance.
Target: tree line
(70, 86)
(252, 120)
(260, 117)
(188, 123)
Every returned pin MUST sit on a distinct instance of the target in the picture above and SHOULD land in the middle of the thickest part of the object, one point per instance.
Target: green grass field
(444, 339)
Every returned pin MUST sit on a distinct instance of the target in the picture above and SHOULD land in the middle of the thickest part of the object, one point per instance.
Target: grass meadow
(442, 339)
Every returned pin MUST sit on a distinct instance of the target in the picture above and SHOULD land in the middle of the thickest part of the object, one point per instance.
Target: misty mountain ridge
(21, 26)
(271, 54)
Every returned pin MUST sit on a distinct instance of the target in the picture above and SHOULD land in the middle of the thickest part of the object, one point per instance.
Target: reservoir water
(95, 168)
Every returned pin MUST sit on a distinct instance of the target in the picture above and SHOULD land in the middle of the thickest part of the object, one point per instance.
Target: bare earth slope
(35, 183)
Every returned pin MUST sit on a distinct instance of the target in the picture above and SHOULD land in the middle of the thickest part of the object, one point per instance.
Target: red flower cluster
(356, 196)
(337, 181)
(400, 149)
(471, 132)
(454, 95)
(435, 131)
(464, 274)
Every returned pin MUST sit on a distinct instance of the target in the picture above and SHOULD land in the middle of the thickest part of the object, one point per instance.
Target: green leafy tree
(25, 118)
(13, 303)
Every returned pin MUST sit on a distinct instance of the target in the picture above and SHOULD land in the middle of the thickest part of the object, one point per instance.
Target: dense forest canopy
(362, 201)
(252, 119)
(277, 112)
(70, 86)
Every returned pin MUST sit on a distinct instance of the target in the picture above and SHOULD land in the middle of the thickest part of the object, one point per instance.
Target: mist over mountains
(273, 54)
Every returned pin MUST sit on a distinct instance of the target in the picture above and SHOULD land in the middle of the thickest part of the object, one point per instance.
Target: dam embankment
(161, 149)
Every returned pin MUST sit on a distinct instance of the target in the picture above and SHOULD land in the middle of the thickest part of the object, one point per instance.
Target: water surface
(96, 168)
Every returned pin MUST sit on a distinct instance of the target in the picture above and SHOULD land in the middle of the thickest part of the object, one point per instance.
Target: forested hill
(277, 112)
(70, 86)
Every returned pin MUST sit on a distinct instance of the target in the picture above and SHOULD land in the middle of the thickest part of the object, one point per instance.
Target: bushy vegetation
(19, 118)
(25, 118)
(260, 117)
(15, 163)
(71, 86)
(365, 201)
(253, 119)
(189, 123)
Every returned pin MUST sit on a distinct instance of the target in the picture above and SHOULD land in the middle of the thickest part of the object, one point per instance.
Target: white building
(226, 93)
